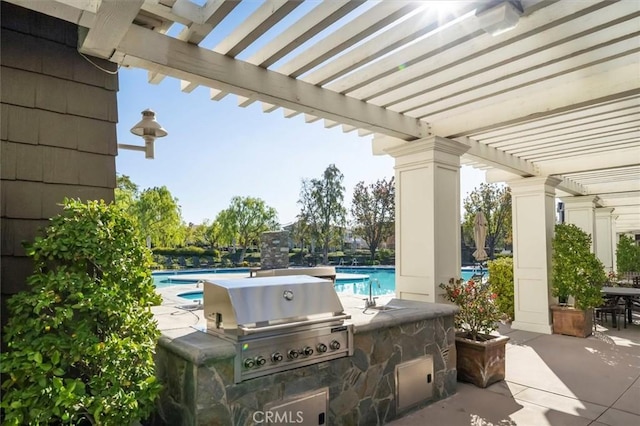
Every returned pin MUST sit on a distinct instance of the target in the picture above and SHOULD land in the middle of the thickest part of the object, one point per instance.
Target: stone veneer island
(197, 370)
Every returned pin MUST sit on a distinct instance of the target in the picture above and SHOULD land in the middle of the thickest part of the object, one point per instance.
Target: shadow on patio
(552, 380)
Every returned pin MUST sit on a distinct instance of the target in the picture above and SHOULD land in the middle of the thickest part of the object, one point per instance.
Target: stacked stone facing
(274, 250)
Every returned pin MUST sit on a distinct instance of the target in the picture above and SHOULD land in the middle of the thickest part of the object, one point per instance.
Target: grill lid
(270, 300)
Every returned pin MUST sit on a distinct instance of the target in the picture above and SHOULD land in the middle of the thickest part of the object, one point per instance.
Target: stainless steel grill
(278, 323)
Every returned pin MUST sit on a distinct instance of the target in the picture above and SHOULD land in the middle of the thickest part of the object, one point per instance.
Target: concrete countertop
(182, 325)
(407, 311)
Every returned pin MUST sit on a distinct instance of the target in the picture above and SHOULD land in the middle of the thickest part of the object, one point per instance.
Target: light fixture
(149, 129)
(499, 17)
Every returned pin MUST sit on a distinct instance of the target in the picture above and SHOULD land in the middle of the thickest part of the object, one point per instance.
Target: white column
(427, 216)
(580, 211)
(533, 216)
(606, 236)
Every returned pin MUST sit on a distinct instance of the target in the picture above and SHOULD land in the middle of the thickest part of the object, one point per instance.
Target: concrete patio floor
(552, 380)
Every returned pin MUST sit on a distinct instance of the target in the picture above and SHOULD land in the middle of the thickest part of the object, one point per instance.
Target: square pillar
(533, 211)
(606, 235)
(580, 211)
(427, 216)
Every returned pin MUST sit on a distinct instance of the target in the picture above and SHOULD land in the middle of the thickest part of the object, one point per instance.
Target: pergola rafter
(557, 95)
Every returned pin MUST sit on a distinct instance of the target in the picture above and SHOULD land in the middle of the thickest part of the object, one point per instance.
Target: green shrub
(501, 283)
(576, 271)
(81, 340)
(185, 251)
(627, 255)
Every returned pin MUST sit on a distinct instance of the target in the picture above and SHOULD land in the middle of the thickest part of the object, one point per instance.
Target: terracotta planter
(570, 321)
(481, 363)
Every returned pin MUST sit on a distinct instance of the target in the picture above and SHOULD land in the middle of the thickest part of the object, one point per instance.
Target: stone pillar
(533, 211)
(427, 216)
(580, 211)
(274, 250)
(606, 234)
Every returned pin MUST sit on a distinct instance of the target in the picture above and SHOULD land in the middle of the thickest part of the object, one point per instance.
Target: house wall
(58, 131)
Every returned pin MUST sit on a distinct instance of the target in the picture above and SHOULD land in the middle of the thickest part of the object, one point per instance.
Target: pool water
(383, 280)
(169, 278)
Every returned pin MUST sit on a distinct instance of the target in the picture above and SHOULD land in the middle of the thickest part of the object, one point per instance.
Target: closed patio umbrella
(479, 236)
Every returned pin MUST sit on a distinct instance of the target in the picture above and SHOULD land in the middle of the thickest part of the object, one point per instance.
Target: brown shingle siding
(91, 101)
(59, 130)
(60, 165)
(53, 195)
(52, 93)
(96, 136)
(96, 169)
(29, 162)
(23, 199)
(8, 154)
(17, 231)
(22, 124)
(18, 87)
(20, 51)
(57, 59)
(89, 73)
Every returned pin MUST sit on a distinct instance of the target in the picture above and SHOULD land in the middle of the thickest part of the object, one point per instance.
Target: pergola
(551, 106)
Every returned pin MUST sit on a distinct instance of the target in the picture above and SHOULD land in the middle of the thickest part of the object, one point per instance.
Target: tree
(322, 207)
(495, 202)
(159, 217)
(373, 210)
(126, 193)
(245, 220)
(197, 234)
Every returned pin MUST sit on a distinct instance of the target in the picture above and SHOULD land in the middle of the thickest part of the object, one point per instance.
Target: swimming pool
(383, 279)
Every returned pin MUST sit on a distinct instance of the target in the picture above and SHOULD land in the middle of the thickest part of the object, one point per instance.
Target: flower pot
(570, 321)
(480, 362)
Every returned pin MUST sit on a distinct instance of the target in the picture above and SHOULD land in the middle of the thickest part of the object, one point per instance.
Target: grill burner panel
(262, 356)
(277, 323)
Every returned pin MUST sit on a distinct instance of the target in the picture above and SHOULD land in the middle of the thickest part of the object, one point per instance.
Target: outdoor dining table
(627, 293)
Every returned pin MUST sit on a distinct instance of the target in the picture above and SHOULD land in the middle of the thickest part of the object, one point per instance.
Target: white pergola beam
(308, 118)
(217, 95)
(496, 158)
(358, 29)
(157, 52)
(610, 159)
(614, 83)
(289, 113)
(266, 107)
(112, 22)
(323, 15)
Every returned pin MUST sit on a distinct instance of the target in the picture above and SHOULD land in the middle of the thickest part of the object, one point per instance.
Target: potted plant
(480, 356)
(576, 274)
(81, 339)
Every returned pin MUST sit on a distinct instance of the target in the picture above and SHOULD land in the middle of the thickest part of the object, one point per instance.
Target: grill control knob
(292, 354)
(260, 361)
(335, 345)
(307, 351)
(276, 357)
(249, 363)
(321, 347)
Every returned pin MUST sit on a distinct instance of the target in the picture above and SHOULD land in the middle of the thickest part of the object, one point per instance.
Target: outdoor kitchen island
(399, 357)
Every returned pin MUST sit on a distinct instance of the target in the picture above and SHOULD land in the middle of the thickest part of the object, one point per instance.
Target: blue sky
(216, 150)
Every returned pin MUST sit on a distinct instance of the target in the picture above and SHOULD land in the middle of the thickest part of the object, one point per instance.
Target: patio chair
(609, 306)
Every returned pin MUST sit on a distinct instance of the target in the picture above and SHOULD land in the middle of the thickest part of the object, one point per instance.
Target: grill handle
(252, 330)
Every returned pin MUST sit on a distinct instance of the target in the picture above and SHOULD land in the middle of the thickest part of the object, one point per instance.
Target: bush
(576, 271)
(81, 340)
(627, 255)
(501, 283)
